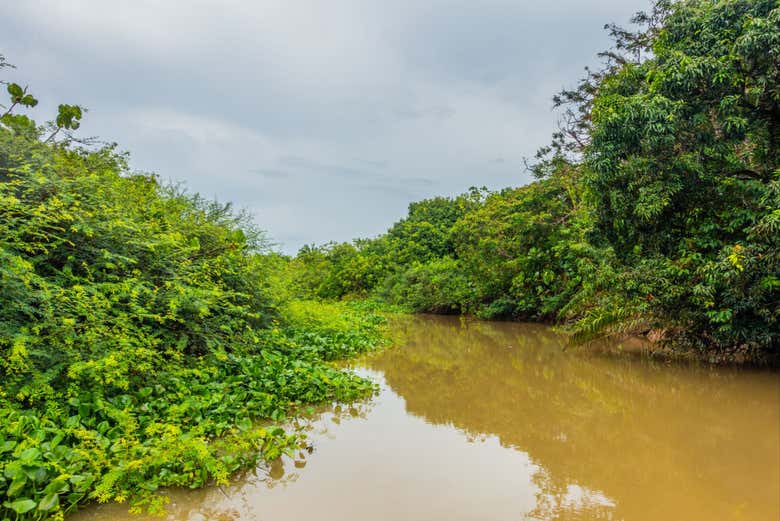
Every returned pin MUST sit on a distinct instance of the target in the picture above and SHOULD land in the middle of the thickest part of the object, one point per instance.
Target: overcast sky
(322, 118)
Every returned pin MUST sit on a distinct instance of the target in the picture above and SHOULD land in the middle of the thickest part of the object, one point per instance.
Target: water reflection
(660, 441)
(495, 421)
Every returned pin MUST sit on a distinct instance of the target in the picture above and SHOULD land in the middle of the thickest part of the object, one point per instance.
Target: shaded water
(494, 421)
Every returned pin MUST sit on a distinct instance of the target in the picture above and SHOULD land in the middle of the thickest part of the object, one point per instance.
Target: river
(497, 421)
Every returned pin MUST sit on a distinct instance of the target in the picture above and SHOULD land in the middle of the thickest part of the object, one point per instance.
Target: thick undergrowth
(143, 340)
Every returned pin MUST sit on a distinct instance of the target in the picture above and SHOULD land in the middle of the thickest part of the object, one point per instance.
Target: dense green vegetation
(145, 338)
(657, 204)
(148, 338)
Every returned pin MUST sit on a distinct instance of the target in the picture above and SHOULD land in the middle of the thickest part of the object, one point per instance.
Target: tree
(682, 166)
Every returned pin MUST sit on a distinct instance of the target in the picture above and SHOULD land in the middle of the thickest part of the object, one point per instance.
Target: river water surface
(496, 421)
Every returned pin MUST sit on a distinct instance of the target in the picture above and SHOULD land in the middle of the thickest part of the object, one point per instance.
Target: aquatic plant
(143, 343)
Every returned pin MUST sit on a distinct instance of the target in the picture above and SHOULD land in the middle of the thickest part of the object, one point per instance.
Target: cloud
(271, 173)
(324, 119)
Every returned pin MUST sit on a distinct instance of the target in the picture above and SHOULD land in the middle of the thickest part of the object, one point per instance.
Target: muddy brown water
(495, 421)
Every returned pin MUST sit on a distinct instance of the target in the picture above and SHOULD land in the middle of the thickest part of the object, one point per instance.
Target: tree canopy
(656, 206)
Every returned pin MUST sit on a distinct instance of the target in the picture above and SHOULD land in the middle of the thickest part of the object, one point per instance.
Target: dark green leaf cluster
(144, 340)
(682, 173)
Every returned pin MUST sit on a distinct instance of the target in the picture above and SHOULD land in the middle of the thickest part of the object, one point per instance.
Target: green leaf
(13, 472)
(49, 502)
(28, 101)
(68, 116)
(30, 454)
(16, 485)
(57, 486)
(36, 473)
(21, 506)
(15, 91)
(244, 424)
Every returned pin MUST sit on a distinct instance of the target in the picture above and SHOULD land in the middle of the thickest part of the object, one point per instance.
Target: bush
(437, 286)
(142, 344)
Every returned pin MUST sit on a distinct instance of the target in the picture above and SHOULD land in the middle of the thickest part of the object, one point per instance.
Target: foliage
(426, 232)
(145, 340)
(148, 339)
(655, 209)
(682, 171)
(329, 331)
(521, 250)
(436, 286)
(334, 270)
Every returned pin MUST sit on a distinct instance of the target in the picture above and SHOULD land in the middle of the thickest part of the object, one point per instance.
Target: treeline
(146, 339)
(656, 206)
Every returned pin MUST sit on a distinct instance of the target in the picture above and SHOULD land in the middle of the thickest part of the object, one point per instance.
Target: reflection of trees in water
(213, 514)
(556, 501)
(612, 438)
(235, 501)
(282, 471)
(656, 438)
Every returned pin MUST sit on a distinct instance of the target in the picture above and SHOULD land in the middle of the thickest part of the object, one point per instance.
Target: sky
(323, 119)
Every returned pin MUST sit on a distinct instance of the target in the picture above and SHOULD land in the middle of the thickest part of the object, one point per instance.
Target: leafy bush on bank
(144, 341)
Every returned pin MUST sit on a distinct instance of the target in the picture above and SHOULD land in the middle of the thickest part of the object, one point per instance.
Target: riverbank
(197, 421)
(641, 341)
(477, 420)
